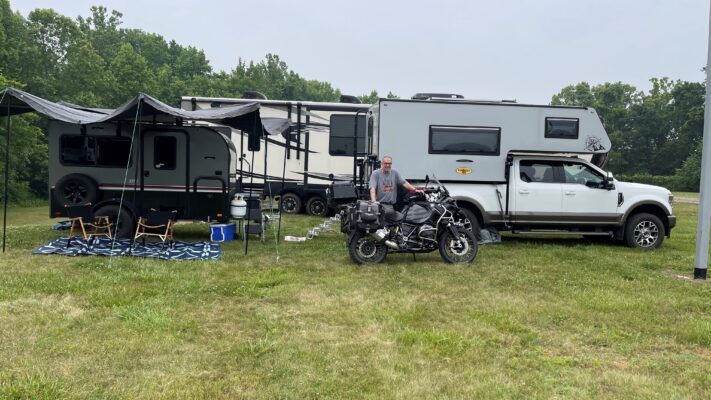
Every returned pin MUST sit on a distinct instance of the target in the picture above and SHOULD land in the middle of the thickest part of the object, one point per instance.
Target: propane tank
(238, 207)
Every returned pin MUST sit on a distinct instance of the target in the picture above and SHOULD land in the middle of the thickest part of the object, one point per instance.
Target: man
(384, 182)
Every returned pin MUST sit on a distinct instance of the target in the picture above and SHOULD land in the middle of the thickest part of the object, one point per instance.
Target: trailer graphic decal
(464, 170)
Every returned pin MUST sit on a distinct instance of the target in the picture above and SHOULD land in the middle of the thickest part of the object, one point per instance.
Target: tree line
(95, 62)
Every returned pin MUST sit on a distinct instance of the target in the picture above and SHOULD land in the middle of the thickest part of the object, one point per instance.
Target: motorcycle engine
(426, 232)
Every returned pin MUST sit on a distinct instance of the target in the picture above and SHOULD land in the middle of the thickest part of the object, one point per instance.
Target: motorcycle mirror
(427, 179)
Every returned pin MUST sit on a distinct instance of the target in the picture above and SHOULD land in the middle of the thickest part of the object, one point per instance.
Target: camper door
(165, 169)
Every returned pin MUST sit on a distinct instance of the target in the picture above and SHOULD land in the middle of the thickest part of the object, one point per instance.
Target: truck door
(585, 199)
(537, 192)
(164, 175)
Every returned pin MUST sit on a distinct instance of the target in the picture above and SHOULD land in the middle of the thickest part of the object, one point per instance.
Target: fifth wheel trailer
(520, 167)
(317, 151)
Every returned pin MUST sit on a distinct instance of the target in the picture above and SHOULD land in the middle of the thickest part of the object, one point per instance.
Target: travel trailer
(518, 167)
(316, 151)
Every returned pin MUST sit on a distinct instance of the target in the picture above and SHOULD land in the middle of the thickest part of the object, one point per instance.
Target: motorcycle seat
(393, 216)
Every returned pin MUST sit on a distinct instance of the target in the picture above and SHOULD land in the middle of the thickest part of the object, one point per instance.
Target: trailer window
(112, 151)
(537, 171)
(562, 128)
(77, 150)
(341, 131)
(165, 151)
(464, 140)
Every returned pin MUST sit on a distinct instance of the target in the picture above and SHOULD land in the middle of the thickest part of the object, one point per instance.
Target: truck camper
(528, 169)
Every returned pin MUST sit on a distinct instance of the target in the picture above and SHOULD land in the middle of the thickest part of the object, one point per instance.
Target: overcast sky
(515, 49)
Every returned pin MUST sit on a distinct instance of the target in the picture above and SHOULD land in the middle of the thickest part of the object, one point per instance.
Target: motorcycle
(429, 221)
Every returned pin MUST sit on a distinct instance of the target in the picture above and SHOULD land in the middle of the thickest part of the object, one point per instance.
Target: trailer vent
(252, 94)
(431, 96)
(346, 98)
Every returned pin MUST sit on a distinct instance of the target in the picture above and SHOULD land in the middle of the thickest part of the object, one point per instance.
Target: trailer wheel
(127, 223)
(76, 189)
(290, 203)
(317, 206)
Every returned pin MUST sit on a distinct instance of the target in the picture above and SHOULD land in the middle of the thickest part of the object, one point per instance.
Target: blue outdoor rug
(102, 247)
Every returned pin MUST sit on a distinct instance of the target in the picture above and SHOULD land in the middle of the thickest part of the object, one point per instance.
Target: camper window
(341, 135)
(165, 149)
(562, 128)
(77, 150)
(112, 151)
(464, 140)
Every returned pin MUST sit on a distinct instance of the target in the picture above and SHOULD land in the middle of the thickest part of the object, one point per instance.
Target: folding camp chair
(81, 216)
(156, 223)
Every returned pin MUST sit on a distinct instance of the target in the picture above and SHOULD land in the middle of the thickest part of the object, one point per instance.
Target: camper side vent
(346, 98)
(432, 96)
(252, 94)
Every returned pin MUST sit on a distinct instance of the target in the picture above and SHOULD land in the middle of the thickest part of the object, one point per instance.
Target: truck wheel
(456, 250)
(471, 222)
(127, 223)
(290, 203)
(76, 189)
(365, 249)
(317, 207)
(644, 231)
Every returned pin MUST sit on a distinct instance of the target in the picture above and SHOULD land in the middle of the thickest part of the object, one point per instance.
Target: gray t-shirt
(385, 185)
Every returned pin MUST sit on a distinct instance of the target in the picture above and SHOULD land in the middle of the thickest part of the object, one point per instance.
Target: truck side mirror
(608, 183)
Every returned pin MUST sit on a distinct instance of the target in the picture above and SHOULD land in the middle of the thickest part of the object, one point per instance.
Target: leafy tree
(84, 80)
(132, 74)
(28, 155)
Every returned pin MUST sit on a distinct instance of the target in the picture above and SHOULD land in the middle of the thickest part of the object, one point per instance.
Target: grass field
(531, 318)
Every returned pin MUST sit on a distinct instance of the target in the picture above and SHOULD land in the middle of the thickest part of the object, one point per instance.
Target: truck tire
(127, 223)
(290, 203)
(317, 206)
(472, 223)
(644, 231)
(76, 189)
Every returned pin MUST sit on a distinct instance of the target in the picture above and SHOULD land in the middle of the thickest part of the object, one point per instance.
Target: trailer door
(164, 180)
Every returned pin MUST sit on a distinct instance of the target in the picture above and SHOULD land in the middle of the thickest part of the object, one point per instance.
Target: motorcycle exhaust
(392, 244)
(381, 234)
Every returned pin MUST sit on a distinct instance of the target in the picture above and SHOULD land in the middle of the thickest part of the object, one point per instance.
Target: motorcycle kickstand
(413, 257)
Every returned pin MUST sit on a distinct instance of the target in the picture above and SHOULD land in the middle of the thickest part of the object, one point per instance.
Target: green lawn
(531, 318)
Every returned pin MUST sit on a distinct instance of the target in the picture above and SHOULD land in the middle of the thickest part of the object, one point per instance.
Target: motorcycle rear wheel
(458, 250)
(365, 249)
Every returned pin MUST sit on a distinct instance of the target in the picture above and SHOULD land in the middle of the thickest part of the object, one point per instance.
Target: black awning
(142, 108)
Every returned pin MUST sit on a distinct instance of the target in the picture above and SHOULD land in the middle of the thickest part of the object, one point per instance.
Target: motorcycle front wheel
(458, 250)
(364, 249)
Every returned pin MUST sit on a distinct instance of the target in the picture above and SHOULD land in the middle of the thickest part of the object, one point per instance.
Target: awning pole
(7, 172)
(702, 228)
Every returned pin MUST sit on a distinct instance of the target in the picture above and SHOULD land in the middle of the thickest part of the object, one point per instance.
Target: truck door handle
(523, 191)
(464, 160)
(570, 193)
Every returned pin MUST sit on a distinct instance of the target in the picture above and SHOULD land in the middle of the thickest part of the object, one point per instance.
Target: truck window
(537, 171)
(583, 175)
(165, 149)
(562, 128)
(464, 140)
(342, 127)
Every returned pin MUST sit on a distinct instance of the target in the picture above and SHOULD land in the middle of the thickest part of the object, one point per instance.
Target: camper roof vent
(253, 94)
(432, 96)
(346, 98)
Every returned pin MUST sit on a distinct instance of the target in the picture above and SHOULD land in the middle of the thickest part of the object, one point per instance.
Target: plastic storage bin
(222, 232)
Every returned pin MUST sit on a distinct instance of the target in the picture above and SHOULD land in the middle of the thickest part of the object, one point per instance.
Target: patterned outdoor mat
(101, 246)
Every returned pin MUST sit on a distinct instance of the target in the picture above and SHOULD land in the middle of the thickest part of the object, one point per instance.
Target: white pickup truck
(549, 195)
